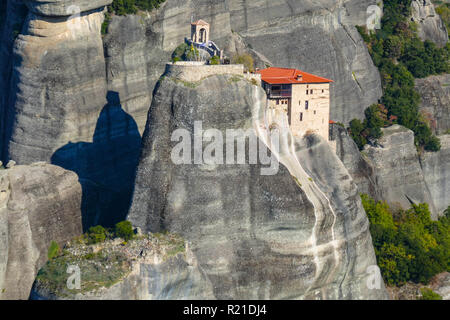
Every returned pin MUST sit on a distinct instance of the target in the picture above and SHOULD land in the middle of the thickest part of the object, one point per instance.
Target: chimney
(299, 77)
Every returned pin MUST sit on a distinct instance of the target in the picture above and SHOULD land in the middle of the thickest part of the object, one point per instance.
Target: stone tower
(200, 31)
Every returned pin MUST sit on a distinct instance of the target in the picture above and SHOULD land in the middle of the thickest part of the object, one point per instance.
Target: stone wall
(196, 71)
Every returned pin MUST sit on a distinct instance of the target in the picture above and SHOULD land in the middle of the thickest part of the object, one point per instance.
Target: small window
(307, 91)
(301, 116)
(314, 111)
(306, 105)
(312, 91)
(299, 102)
(323, 91)
(278, 102)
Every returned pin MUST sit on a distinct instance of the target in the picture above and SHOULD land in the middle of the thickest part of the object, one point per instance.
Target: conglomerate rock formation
(77, 99)
(393, 171)
(39, 203)
(430, 25)
(59, 109)
(435, 102)
(290, 235)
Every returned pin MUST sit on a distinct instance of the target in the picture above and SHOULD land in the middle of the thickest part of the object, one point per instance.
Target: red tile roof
(274, 75)
(200, 22)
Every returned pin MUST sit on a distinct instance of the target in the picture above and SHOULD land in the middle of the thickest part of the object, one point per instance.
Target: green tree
(124, 230)
(96, 234)
(356, 132)
(409, 245)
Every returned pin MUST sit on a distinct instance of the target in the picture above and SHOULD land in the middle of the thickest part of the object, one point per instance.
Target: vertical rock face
(435, 104)
(431, 26)
(436, 171)
(394, 172)
(63, 8)
(399, 185)
(59, 81)
(356, 164)
(254, 236)
(61, 111)
(39, 203)
(12, 16)
(134, 62)
(316, 36)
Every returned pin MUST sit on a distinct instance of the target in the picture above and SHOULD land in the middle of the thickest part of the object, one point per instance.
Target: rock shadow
(106, 167)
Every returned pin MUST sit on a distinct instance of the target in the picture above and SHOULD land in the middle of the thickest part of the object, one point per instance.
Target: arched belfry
(200, 31)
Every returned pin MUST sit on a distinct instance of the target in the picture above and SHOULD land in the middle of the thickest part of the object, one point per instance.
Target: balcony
(275, 94)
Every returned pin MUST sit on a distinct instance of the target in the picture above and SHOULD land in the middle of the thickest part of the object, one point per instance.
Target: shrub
(244, 59)
(192, 54)
(179, 54)
(214, 60)
(106, 23)
(124, 230)
(96, 234)
(53, 250)
(428, 294)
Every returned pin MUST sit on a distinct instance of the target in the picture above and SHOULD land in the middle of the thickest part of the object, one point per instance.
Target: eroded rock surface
(39, 203)
(436, 171)
(393, 171)
(149, 267)
(61, 111)
(398, 177)
(430, 25)
(64, 8)
(435, 104)
(254, 236)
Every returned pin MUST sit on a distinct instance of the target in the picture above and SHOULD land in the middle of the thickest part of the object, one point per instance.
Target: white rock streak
(265, 121)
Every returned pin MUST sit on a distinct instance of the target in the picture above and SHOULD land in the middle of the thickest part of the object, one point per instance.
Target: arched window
(203, 35)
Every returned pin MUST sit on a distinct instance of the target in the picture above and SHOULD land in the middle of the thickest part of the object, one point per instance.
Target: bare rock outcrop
(393, 171)
(430, 25)
(291, 235)
(149, 267)
(39, 203)
(435, 104)
(436, 171)
(398, 177)
(60, 109)
(64, 8)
